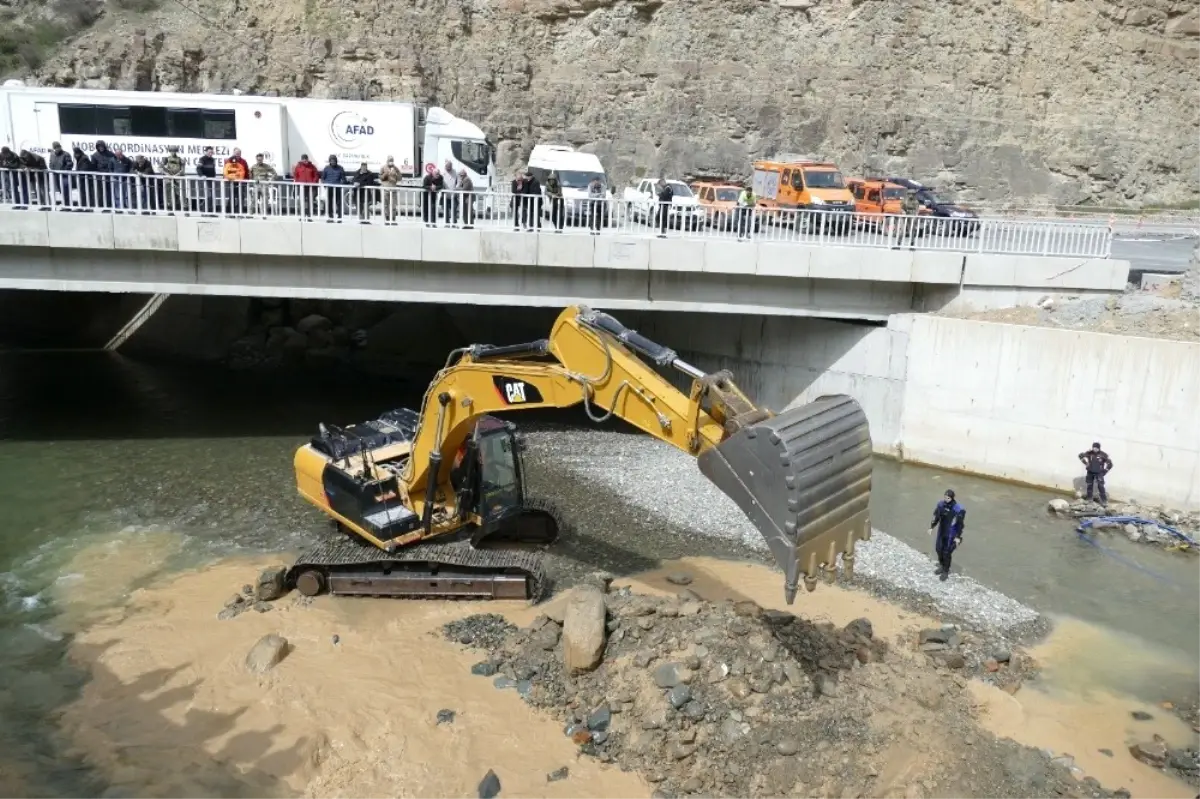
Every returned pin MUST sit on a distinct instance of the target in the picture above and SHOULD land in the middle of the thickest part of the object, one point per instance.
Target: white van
(575, 171)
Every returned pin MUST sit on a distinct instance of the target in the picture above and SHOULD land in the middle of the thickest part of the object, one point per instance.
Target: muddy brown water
(116, 472)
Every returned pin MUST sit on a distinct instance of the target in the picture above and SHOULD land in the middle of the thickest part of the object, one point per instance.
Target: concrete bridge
(622, 269)
(150, 235)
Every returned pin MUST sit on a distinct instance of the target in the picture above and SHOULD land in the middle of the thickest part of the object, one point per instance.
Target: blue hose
(1082, 529)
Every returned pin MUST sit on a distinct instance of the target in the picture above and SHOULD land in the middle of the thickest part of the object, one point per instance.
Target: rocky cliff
(1062, 100)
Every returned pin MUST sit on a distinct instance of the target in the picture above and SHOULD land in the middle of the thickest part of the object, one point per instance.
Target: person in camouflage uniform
(173, 167)
(907, 224)
(261, 173)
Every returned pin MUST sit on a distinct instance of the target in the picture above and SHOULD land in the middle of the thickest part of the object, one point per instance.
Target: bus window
(78, 120)
(113, 121)
(149, 121)
(219, 125)
(185, 123)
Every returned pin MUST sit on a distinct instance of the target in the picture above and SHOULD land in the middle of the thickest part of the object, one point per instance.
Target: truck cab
(874, 197)
(462, 143)
(804, 184)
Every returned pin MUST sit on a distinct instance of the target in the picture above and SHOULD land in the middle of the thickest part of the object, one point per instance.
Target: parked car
(939, 205)
(685, 212)
(719, 201)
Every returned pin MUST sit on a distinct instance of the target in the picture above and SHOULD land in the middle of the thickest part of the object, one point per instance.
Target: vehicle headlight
(817, 201)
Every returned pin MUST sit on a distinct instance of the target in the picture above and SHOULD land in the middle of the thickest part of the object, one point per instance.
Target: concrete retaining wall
(1023, 402)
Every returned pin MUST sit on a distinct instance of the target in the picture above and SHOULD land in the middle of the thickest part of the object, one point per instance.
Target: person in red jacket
(305, 173)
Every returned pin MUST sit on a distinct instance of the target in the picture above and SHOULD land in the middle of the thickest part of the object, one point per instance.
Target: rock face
(583, 631)
(968, 94)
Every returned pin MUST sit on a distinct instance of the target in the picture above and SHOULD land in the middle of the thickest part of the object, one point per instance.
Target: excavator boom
(801, 476)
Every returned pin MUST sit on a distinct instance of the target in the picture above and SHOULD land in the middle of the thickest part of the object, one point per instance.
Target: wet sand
(358, 717)
(1070, 711)
(171, 710)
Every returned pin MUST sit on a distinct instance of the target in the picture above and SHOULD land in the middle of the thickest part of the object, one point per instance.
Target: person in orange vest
(236, 171)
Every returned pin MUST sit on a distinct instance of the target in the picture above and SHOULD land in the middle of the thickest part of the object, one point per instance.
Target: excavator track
(437, 569)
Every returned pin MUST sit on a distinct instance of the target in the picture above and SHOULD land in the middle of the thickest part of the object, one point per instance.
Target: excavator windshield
(499, 474)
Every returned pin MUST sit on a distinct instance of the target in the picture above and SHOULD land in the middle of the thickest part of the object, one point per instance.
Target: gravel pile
(728, 699)
(642, 495)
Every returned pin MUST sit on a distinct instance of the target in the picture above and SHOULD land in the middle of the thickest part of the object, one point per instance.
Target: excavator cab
(489, 481)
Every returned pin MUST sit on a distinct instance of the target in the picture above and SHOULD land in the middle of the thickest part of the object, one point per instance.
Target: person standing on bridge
(745, 211)
(665, 196)
(949, 520)
(306, 176)
(555, 193)
(60, 164)
(595, 205)
(467, 187)
(334, 178)
(389, 179)
(910, 206)
(1098, 465)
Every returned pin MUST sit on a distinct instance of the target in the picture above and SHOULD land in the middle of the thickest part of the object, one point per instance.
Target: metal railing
(249, 199)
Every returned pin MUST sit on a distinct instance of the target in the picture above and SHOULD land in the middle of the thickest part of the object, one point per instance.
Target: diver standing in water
(949, 519)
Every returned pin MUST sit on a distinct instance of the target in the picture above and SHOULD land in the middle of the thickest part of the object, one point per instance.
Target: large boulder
(270, 585)
(583, 634)
(267, 653)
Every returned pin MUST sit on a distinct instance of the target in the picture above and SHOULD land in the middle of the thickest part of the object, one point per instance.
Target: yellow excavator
(434, 505)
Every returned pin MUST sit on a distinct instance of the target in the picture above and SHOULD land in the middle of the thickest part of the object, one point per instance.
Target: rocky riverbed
(1141, 524)
(728, 698)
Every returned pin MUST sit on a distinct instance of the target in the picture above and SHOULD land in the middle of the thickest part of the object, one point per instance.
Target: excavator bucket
(804, 479)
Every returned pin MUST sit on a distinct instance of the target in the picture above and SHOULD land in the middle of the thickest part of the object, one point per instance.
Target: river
(93, 445)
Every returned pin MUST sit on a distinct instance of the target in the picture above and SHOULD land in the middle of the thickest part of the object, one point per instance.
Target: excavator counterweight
(424, 495)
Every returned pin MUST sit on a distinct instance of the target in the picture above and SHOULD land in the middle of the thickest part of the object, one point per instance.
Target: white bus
(282, 128)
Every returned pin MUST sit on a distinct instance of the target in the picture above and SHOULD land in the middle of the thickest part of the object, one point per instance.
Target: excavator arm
(802, 477)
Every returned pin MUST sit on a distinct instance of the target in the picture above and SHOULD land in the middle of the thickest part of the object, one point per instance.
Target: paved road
(1153, 252)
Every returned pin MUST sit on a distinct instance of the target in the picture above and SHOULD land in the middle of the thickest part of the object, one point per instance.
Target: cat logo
(516, 392)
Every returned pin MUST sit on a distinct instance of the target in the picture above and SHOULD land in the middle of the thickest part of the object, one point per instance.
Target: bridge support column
(136, 321)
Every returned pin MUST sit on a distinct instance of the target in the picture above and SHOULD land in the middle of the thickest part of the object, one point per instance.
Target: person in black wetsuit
(1098, 465)
(949, 519)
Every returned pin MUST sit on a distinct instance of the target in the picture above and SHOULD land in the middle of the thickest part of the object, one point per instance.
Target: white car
(685, 213)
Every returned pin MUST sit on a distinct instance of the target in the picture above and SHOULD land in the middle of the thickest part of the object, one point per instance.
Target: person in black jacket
(85, 184)
(106, 164)
(146, 187)
(363, 179)
(10, 167)
(533, 188)
(334, 177)
(665, 195)
(1098, 465)
(433, 185)
(122, 169)
(60, 164)
(520, 200)
(34, 179)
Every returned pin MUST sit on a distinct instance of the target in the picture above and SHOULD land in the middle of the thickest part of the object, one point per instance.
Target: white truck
(282, 128)
(685, 213)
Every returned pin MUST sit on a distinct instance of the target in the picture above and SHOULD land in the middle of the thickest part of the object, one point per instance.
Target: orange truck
(874, 197)
(804, 184)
